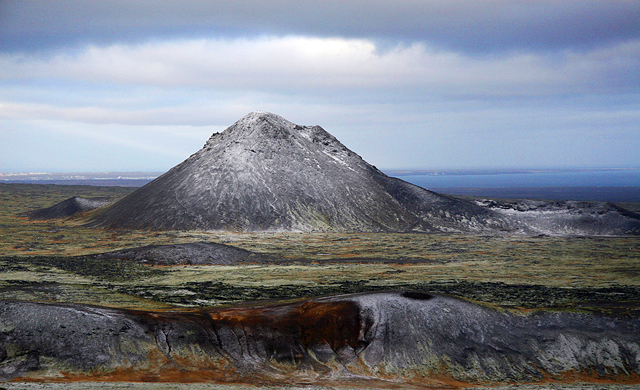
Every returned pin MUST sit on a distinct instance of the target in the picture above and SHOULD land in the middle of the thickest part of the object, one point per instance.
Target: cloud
(301, 65)
(459, 25)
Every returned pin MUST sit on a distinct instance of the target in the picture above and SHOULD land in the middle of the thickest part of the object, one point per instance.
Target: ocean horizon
(613, 185)
(522, 178)
(610, 185)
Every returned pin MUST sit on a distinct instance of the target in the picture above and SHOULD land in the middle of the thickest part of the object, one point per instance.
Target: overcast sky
(140, 85)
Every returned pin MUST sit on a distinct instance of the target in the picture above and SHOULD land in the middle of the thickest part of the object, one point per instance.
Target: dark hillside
(413, 338)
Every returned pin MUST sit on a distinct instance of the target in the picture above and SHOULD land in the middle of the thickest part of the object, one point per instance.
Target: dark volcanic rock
(195, 253)
(404, 337)
(265, 173)
(68, 207)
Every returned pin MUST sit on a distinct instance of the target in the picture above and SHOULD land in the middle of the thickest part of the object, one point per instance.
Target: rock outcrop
(567, 217)
(265, 173)
(398, 338)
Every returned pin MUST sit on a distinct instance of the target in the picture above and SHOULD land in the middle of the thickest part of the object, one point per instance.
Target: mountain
(265, 173)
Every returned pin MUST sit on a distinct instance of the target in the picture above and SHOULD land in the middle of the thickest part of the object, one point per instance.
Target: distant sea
(613, 185)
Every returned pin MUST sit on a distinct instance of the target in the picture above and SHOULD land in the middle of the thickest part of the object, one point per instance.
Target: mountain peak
(261, 115)
(256, 125)
(262, 119)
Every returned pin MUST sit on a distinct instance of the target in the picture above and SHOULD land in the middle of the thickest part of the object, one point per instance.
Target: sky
(91, 86)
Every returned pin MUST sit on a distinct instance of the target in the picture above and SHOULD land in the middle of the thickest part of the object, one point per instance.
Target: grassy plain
(43, 260)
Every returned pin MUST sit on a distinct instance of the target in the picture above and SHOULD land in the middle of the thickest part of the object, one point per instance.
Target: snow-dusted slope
(265, 173)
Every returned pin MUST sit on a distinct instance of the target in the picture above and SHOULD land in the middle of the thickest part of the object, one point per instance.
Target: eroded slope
(403, 337)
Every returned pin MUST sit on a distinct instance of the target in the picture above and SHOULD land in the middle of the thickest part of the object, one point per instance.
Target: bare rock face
(265, 173)
(398, 337)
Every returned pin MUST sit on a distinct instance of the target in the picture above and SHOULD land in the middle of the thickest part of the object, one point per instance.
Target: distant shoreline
(102, 179)
(83, 182)
(586, 193)
(610, 184)
(142, 175)
(499, 171)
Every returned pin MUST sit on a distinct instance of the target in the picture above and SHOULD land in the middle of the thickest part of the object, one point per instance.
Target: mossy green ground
(204, 386)
(38, 261)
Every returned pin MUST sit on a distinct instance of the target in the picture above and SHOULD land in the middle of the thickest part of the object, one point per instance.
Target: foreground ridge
(404, 337)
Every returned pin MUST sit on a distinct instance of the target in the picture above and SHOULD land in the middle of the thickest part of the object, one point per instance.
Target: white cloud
(301, 65)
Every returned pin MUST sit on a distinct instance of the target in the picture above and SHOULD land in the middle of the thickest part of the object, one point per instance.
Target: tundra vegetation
(51, 261)
(55, 261)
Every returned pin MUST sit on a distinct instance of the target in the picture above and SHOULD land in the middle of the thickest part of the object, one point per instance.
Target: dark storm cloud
(470, 26)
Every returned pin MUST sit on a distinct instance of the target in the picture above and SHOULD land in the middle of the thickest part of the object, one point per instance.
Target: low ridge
(265, 173)
(192, 253)
(67, 208)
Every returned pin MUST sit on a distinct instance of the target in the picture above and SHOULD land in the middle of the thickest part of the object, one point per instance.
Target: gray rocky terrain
(68, 207)
(265, 173)
(393, 339)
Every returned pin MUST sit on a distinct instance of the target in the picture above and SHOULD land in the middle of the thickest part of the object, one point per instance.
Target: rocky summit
(265, 173)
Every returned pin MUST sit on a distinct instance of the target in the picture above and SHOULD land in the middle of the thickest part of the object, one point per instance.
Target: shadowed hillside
(67, 208)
